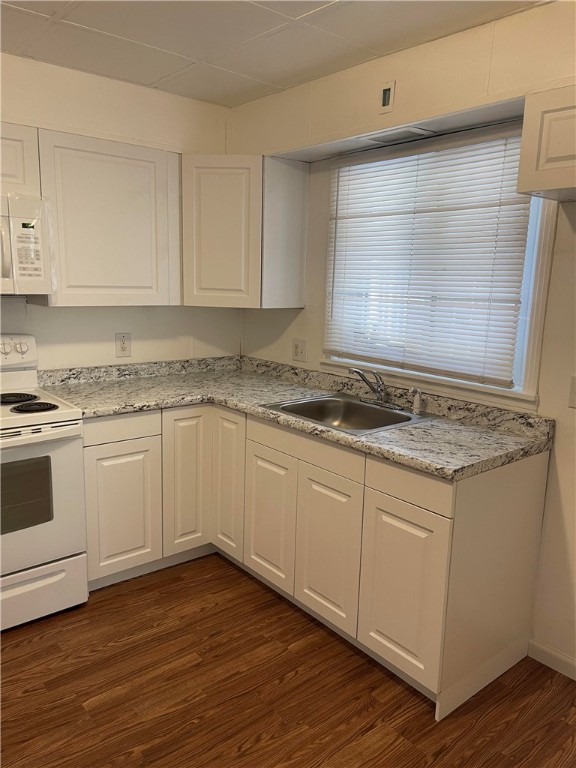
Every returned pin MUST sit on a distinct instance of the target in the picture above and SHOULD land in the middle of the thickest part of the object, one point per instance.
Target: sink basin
(346, 413)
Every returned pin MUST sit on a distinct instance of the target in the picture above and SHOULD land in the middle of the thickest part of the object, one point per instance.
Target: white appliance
(42, 508)
(23, 244)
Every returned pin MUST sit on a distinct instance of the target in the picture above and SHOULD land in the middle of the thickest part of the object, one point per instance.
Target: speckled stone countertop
(444, 447)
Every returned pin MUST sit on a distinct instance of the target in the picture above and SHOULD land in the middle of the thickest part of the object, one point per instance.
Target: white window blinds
(426, 262)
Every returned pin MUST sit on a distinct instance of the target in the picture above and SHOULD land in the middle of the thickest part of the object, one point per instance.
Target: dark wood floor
(200, 665)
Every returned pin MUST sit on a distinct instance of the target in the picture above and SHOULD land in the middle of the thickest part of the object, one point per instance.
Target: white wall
(70, 336)
(505, 59)
(52, 97)
(34, 93)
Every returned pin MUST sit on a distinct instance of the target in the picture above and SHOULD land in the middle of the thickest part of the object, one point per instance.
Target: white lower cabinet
(228, 463)
(123, 475)
(328, 539)
(405, 555)
(432, 577)
(203, 461)
(187, 477)
(304, 519)
(270, 514)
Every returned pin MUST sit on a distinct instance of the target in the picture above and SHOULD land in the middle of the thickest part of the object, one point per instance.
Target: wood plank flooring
(201, 666)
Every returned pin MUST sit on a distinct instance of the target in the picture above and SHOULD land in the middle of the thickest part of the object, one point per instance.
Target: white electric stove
(42, 515)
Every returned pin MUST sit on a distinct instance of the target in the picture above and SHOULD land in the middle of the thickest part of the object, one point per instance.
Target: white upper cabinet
(244, 231)
(20, 172)
(115, 209)
(548, 155)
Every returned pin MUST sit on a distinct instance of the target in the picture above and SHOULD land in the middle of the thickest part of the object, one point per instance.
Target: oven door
(42, 506)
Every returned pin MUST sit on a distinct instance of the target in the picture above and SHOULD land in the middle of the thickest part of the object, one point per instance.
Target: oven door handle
(45, 433)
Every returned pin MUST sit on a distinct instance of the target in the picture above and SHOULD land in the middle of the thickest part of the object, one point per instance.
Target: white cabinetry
(228, 465)
(20, 164)
(123, 471)
(548, 155)
(405, 551)
(434, 578)
(448, 573)
(203, 481)
(244, 231)
(116, 214)
(187, 477)
(270, 517)
(304, 519)
(328, 538)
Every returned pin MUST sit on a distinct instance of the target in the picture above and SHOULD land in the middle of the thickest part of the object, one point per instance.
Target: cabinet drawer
(335, 458)
(415, 487)
(126, 426)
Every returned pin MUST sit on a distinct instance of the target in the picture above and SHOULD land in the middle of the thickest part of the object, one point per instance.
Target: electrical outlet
(300, 350)
(123, 345)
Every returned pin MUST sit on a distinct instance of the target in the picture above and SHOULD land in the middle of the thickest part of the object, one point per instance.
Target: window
(432, 263)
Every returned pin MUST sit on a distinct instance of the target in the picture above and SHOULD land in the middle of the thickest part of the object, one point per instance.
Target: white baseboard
(560, 662)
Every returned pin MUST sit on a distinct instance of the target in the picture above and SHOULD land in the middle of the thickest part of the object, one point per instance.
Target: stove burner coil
(10, 398)
(34, 407)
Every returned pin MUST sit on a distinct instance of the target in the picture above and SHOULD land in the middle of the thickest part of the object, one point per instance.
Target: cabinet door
(20, 172)
(270, 518)
(284, 232)
(328, 539)
(187, 477)
(403, 585)
(123, 504)
(229, 460)
(221, 226)
(111, 236)
(548, 154)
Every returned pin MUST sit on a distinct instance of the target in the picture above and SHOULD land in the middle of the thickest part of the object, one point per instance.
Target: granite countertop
(446, 448)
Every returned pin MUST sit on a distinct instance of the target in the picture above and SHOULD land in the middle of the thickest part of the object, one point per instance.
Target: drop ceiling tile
(20, 27)
(217, 86)
(38, 6)
(296, 9)
(291, 55)
(387, 26)
(192, 29)
(68, 45)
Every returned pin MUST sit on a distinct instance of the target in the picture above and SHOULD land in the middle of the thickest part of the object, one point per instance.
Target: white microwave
(23, 243)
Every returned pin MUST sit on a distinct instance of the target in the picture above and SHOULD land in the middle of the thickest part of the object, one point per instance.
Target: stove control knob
(21, 347)
(5, 348)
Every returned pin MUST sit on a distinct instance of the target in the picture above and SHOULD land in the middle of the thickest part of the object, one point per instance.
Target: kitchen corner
(465, 438)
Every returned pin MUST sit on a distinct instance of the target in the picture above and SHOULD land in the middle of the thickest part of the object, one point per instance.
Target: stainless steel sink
(346, 413)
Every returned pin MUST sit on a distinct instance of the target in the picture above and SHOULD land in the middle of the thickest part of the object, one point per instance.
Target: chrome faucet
(379, 388)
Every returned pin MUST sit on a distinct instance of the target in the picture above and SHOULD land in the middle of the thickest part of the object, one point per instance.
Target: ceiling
(230, 53)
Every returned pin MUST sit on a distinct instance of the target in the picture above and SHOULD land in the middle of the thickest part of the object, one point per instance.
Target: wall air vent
(399, 135)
